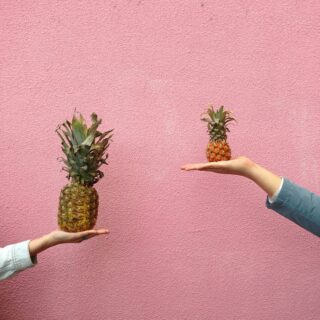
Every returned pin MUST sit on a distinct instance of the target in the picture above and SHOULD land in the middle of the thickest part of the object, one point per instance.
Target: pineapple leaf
(88, 141)
(94, 117)
(104, 135)
(79, 129)
(85, 148)
(218, 121)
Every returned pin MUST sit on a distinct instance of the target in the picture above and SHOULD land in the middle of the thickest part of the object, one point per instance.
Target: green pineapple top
(84, 148)
(217, 123)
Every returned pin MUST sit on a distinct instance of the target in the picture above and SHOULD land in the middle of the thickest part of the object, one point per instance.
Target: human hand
(59, 237)
(238, 166)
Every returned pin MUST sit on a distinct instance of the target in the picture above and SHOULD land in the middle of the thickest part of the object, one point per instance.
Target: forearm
(40, 244)
(265, 179)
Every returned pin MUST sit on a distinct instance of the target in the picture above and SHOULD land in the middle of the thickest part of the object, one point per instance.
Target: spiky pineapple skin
(78, 207)
(218, 151)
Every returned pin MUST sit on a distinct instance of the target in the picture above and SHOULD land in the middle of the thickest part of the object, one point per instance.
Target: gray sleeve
(299, 205)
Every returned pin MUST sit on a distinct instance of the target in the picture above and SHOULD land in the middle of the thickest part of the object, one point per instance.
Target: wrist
(51, 240)
(253, 171)
(265, 179)
(248, 168)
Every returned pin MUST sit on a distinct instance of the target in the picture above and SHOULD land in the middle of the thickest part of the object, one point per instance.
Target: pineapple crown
(218, 121)
(84, 148)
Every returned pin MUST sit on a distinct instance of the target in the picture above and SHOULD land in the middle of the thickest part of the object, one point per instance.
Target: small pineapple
(218, 149)
(85, 152)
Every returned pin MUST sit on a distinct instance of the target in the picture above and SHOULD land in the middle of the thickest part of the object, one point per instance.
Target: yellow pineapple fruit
(218, 149)
(85, 152)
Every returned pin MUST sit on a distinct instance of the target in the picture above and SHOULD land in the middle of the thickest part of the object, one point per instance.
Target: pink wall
(182, 245)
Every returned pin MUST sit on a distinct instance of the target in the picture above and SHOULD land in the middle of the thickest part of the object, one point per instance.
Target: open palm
(59, 236)
(237, 166)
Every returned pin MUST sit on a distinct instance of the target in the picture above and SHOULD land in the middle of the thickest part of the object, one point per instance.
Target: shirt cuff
(21, 256)
(274, 197)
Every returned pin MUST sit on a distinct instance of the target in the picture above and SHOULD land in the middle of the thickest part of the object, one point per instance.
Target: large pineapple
(218, 149)
(85, 152)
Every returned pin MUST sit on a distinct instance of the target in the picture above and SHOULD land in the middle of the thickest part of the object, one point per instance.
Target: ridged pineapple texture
(218, 149)
(85, 152)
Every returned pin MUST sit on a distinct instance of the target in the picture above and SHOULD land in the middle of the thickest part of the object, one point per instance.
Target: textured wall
(182, 245)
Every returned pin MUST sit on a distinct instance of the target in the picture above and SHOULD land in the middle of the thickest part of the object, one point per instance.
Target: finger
(80, 236)
(92, 235)
(78, 240)
(199, 166)
(98, 231)
(189, 167)
(93, 231)
(97, 234)
(215, 170)
(103, 231)
(85, 237)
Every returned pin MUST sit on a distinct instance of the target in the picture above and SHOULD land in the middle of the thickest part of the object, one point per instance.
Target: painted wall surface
(182, 245)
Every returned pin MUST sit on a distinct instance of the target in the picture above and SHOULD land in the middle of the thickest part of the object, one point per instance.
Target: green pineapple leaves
(218, 121)
(84, 148)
